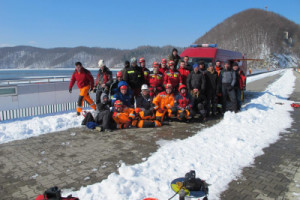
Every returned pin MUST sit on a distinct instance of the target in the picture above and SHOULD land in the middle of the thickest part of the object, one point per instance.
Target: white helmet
(145, 87)
(100, 63)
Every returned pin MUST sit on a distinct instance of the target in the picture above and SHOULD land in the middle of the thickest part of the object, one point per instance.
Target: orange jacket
(123, 117)
(163, 100)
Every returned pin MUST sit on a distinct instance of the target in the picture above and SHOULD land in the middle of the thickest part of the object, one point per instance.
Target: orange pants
(183, 114)
(160, 116)
(84, 96)
(146, 123)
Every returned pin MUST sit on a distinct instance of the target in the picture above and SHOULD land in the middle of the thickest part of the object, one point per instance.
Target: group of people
(142, 98)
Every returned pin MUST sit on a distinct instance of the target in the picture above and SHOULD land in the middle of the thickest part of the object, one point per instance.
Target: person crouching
(183, 103)
(123, 115)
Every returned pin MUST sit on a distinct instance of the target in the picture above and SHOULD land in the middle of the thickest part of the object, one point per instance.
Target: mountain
(32, 57)
(258, 34)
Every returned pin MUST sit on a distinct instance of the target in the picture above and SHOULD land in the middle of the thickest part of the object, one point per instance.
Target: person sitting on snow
(123, 115)
(164, 103)
(103, 117)
(183, 103)
(123, 94)
(144, 105)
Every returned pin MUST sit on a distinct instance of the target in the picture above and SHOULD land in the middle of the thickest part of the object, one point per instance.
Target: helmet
(123, 87)
(133, 60)
(181, 87)
(169, 86)
(155, 64)
(118, 103)
(145, 87)
(171, 63)
(164, 61)
(100, 63)
(119, 74)
(141, 60)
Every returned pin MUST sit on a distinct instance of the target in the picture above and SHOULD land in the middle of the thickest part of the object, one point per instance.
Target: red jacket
(163, 70)
(242, 80)
(184, 72)
(156, 80)
(83, 78)
(172, 77)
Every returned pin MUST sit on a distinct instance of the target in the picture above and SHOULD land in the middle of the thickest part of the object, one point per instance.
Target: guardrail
(34, 80)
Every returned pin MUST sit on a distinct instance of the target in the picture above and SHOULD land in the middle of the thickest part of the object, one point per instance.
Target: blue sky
(124, 24)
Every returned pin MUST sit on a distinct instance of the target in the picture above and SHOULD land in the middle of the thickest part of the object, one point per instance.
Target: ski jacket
(104, 77)
(146, 73)
(102, 106)
(156, 80)
(163, 100)
(83, 78)
(184, 72)
(196, 81)
(163, 70)
(113, 88)
(227, 77)
(144, 102)
(134, 76)
(183, 100)
(172, 77)
(212, 81)
(241, 79)
(122, 118)
(126, 99)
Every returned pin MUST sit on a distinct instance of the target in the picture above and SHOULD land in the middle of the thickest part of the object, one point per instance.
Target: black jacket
(196, 80)
(144, 102)
(212, 81)
(134, 76)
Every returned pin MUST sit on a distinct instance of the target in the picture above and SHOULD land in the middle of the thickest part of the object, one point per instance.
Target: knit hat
(195, 65)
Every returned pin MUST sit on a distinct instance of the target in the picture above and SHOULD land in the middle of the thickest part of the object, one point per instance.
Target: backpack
(88, 118)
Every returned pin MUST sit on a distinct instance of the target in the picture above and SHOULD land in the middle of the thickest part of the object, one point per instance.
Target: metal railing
(34, 80)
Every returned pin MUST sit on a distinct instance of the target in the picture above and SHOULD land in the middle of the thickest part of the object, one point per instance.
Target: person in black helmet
(175, 57)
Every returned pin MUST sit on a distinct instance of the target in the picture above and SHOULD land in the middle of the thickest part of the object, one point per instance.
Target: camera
(194, 184)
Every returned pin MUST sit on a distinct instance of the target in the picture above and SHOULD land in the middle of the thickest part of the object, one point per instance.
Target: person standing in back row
(175, 57)
(134, 76)
(227, 80)
(85, 83)
(103, 81)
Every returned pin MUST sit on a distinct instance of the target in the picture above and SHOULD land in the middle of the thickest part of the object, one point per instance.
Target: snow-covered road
(218, 153)
(34, 126)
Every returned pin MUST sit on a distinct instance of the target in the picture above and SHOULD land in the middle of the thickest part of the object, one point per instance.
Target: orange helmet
(118, 103)
(155, 64)
(119, 74)
(141, 60)
(163, 61)
(171, 63)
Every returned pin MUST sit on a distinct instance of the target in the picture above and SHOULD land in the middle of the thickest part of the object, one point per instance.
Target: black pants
(211, 102)
(104, 118)
(198, 108)
(228, 92)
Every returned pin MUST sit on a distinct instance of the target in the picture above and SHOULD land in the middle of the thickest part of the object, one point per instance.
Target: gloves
(161, 110)
(70, 90)
(128, 123)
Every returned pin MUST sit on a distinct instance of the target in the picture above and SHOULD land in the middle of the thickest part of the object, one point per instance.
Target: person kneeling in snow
(183, 103)
(103, 117)
(163, 103)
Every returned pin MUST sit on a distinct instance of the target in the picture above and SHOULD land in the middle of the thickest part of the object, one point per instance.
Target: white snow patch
(34, 176)
(264, 75)
(218, 153)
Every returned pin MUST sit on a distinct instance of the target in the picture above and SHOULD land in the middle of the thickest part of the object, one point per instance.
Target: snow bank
(264, 75)
(29, 127)
(218, 154)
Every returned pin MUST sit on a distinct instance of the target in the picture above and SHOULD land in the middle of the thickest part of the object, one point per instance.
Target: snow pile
(29, 127)
(218, 153)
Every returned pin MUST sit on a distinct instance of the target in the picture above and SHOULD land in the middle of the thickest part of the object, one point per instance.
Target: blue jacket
(126, 99)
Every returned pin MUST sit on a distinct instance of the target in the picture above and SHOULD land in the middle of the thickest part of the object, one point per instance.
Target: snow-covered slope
(218, 154)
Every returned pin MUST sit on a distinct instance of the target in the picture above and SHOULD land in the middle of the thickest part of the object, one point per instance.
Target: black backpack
(88, 118)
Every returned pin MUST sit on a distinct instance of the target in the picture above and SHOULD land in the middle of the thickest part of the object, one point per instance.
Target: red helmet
(155, 64)
(123, 87)
(169, 86)
(118, 103)
(181, 87)
(119, 74)
(171, 63)
(163, 61)
(141, 60)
